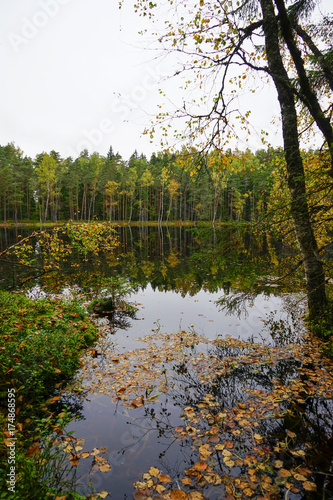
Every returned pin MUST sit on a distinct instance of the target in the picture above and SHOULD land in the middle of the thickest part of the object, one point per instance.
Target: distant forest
(170, 186)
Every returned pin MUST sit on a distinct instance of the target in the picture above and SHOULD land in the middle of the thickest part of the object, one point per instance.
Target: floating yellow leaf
(248, 492)
(105, 468)
(140, 485)
(195, 495)
(226, 453)
(103, 494)
(229, 463)
(154, 472)
(205, 450)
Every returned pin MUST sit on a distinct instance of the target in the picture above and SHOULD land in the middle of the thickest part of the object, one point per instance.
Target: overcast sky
(75, 75)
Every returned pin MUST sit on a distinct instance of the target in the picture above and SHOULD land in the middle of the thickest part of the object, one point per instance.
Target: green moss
(322, 327)
(40, 343)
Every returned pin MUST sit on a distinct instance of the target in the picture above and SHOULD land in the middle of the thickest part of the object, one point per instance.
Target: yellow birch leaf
(154, 472)
(103, 494)
(105, 468)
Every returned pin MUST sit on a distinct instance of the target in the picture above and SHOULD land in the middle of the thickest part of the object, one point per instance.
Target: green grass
(40, 343)
(40, 346)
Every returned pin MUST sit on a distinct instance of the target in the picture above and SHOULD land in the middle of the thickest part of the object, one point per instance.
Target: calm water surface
(181, 275)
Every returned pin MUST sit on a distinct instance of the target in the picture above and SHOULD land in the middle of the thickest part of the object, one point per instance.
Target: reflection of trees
(182, 259)
(205, 258)
(310, 418)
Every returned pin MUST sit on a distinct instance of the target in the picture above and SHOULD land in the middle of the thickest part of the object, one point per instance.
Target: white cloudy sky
(75, 75)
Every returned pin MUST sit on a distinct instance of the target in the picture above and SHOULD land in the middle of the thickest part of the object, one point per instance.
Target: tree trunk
(314, 274)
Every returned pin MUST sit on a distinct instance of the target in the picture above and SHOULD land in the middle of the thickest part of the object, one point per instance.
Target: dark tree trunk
(314, 274)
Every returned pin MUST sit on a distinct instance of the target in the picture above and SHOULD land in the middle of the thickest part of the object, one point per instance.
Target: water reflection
(265, 405)
(195, 287)
(182, 259)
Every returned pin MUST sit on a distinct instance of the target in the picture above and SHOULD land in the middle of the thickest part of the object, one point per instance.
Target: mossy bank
(41, 342)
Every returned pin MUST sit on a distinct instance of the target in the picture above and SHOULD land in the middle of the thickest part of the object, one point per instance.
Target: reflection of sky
(133, 440)
(173, 313)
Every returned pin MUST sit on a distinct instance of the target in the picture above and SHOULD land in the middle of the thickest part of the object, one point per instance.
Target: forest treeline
(183, 186)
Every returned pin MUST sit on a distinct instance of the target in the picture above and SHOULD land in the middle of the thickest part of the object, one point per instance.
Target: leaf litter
(247, 446)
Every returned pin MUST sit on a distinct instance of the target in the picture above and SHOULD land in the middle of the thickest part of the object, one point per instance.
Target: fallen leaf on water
(187, 481)
(278, 464)
(74, 461)
(201, 466)
(299, 477)
(284, 473)
(103, 494)
(105, 468)
(164, 478)
(229, 463)
(205, 450)
(140, 485)
(178, 495)
(213, 479)
(195, 495)
(248, 492)
(154, 471)
(309, 486)
(298, 453)
(85, 454)
(226, 453)
(139, 496)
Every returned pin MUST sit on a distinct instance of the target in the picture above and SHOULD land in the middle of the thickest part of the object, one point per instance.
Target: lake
(209, 377)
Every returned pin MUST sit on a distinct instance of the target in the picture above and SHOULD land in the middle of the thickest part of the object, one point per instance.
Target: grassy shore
(40, 346)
